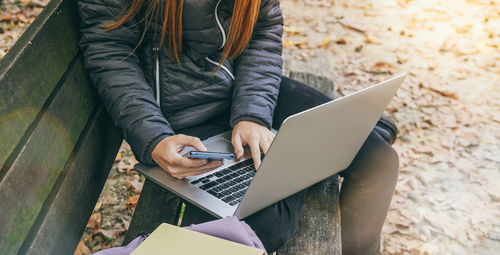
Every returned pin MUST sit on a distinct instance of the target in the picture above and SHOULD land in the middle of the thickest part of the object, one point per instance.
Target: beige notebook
(169, 239)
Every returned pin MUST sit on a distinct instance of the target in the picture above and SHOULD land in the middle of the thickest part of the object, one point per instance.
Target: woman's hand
(255, 136)
(166, 155)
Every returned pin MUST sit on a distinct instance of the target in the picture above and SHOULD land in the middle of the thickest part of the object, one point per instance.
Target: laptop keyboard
(228, 184)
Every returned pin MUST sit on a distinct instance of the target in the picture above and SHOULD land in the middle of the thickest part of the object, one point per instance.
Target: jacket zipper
(220, 25)
(157, 75)
(223, 67)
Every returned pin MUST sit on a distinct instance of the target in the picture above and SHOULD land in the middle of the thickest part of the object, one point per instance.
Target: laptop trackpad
(220, 145)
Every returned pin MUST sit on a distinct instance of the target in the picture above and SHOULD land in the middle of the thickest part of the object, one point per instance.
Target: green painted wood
(66, 211)
(33, 173)
(30, 71)
(156, 205)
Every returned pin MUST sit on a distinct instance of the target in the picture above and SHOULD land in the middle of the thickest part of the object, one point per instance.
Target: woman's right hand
(166, 155)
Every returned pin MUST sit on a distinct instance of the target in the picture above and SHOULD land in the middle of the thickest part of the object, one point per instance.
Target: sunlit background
(447, 200)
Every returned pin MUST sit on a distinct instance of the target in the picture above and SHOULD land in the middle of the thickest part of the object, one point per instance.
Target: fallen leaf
(292, 30)
(132, 201)
(82, 249)
(98, 205)
(468, 140)
(94, 221)
(133, 182)
(118, 157)
(326, 41)
(371, 39)
(109, 200)
(341, 41)
(443, 92)
(381, 68)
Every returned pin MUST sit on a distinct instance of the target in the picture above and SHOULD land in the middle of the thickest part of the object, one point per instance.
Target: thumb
(195, 142)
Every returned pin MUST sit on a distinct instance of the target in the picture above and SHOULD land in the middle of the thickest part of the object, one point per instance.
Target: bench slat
(319, 223)
(31, 69)
(156, 205)
(31, 177)
(61, 221)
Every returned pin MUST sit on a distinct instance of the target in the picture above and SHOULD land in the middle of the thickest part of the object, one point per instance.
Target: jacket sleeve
(115, 71)
(258, 69)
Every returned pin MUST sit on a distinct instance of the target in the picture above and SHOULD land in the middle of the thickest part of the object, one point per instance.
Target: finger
(238, 148)
(192, 141)
(255, 149)
(183, 162)
(211, 164)
(265, 146)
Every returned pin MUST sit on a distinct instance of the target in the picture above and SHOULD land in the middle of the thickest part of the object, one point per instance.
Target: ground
(447, 200)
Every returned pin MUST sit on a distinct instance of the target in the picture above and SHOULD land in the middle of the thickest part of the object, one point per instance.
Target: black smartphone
(208, 155)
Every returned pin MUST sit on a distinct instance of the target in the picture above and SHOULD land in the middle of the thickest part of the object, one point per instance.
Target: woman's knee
(387, 161)
(376, 162)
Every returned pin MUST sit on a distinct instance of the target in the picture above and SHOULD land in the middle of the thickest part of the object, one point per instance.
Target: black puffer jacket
(188, 93)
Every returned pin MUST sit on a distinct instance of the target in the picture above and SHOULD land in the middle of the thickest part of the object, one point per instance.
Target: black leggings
(366, 190)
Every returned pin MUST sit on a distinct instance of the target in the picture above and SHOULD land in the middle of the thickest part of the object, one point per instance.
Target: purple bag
(229, 228)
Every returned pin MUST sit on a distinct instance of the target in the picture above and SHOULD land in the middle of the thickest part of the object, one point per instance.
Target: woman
(165, 68)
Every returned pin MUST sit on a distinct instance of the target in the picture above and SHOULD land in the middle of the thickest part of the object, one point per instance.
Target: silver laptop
(309, 147)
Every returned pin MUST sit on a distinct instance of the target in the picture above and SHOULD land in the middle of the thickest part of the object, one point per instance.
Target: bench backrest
(56, 142)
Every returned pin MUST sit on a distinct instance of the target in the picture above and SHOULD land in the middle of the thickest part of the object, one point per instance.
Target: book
(169, 239)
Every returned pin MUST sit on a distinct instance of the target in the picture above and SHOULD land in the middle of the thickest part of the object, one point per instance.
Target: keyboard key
(224, 185)
(245, 177)
(225, 192)
(233, 203)
(225, 171)
(221, 180)
(239, 194)
(218, 174)
(241, 172)
(205, 180)
(247, 162)
(234, 175)
(195, 181)
(235, 166)
(233, 189)
(211, 192)
(241, 186)
(246, 183)
(238, 180)
(217, 189)
(208, 185)
(227, 177)
(228, 199)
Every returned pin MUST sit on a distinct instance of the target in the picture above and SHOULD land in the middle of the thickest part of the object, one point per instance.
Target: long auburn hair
(245, 14)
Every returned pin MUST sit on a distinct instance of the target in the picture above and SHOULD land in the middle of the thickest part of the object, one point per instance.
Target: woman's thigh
(295, 97)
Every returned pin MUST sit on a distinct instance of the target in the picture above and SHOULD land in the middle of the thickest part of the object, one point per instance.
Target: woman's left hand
(255, 136)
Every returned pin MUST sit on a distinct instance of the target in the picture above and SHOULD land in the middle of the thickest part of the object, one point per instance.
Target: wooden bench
(57, 145)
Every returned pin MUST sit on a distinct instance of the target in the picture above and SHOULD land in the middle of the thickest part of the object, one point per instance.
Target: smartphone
(210, 155)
